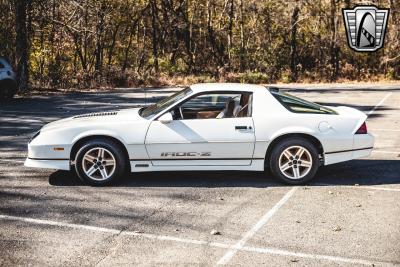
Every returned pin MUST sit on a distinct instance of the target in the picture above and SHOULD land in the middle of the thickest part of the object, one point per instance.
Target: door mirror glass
(166, 118)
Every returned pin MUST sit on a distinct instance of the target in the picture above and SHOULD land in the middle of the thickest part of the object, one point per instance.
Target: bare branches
(74, 42)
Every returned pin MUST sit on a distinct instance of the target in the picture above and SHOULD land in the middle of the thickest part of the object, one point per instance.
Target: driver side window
(215, 106)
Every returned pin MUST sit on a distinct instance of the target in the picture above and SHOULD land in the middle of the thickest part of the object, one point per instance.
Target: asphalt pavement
(348, 216)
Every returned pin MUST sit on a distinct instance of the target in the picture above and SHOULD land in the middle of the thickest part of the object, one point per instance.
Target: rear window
(298, 105)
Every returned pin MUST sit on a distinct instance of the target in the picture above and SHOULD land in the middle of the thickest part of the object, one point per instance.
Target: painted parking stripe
(379, 103)
(367, 187)
(381, 188)
(12, 161)
(270, 251)
(386, 152)
(267, 216)
(315, 256)
(384, 130)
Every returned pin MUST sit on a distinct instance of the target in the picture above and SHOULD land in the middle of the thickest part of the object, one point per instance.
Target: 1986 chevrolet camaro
(205, 127)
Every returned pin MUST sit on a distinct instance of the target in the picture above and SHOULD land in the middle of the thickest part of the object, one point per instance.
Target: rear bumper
(340, 156)
(59, 164)
(362, 147)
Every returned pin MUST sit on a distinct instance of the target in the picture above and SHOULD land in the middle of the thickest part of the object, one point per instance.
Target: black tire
(275, 158)
(110, 147)
(8, 88)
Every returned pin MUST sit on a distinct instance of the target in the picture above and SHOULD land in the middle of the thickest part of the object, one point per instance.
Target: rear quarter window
(298, 105)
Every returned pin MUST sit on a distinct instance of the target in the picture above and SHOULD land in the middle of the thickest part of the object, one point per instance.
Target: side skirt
(146, 166)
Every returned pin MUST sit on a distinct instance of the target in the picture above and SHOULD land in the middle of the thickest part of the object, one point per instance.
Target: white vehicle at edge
(205, 127)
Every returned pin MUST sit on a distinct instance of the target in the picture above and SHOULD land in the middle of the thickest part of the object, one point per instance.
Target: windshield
(298, 105)
(156, 108)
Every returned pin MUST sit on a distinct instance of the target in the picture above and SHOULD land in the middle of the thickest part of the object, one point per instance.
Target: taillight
(362, 129)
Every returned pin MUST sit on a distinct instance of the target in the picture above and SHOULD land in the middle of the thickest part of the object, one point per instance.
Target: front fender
(97, 132)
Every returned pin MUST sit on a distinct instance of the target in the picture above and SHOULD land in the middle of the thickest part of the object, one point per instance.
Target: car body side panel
(65, 133)
(201, 142)
(335, 132)
(7, 72)
(270, 120)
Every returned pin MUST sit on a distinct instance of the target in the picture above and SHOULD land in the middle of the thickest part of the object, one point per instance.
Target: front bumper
(59, 164)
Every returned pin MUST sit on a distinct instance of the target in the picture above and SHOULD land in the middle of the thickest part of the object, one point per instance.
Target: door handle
(240, 127)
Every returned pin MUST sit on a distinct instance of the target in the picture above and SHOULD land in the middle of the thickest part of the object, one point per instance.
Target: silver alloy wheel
(295, 162)
(98, 164)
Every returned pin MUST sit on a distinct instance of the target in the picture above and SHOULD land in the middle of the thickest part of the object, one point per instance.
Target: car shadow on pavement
(362, 172)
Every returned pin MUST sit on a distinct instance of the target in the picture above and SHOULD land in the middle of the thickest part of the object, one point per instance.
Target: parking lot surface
(348, 216)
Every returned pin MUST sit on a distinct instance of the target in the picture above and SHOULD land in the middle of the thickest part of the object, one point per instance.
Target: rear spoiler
(273, 89)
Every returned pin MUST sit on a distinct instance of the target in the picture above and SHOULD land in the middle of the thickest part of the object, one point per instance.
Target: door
(204, 140)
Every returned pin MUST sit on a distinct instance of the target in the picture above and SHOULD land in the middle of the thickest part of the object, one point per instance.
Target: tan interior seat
(228, 110)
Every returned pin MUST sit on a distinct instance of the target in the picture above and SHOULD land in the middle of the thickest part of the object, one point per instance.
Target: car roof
(200, 87)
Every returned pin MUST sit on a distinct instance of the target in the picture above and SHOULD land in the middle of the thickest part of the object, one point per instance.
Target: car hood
(104, 117)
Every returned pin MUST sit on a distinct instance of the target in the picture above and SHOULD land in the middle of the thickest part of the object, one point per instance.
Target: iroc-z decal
(185, 154)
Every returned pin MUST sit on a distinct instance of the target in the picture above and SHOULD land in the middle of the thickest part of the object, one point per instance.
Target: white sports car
(205, 127)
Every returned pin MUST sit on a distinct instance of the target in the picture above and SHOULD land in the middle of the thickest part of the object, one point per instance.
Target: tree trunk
(334, 49)
(242, 50)
(230, 31)
(99, 39)
(155, 33)
(112, 46)
(21, 50)
(293, 44)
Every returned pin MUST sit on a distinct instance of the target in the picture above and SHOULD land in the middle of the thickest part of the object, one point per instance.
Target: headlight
(34, 136)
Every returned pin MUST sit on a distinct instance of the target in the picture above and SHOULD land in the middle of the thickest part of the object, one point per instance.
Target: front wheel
(100, 162)
(294, 161)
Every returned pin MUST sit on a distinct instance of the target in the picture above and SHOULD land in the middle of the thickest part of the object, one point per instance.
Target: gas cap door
(324, 127)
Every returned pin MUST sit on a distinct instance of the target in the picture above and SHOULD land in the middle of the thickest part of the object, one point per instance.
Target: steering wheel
(180, 111)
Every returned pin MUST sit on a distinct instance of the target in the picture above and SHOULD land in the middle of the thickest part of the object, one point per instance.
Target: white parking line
(315, 256)
(12, 160)
(379, 104)
(384, 130)
(367, 187)
(385, 152)
(267, 216)
(381, 188)
(270, 251)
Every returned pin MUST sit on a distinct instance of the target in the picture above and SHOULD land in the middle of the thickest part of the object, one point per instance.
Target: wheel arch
(315, 141)
(79, 142)
(8, 80)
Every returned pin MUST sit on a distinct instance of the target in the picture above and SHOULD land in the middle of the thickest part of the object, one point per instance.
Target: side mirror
(166, 118)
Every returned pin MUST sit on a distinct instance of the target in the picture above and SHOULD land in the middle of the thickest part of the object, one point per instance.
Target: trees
(21, 50)
(293, 43)
(88, 43)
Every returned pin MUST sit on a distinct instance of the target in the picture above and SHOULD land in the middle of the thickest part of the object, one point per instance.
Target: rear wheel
(100, 162)
(294, 161)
